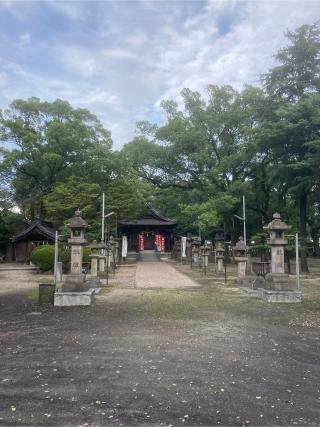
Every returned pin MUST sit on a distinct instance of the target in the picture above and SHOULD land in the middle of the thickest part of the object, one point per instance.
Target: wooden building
(37, 233)
(149, 232)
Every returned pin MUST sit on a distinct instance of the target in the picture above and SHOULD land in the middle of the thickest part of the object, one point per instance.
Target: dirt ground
(197, 356)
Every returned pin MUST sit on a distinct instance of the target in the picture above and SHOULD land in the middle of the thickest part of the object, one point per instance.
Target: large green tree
(293, 86)
(48, 142)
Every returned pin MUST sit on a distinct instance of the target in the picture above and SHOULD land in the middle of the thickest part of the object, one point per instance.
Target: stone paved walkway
(161, 275)
(151, 275)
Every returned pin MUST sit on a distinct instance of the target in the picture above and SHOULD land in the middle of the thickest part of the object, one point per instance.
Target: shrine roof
(37, 227)
(150, 218)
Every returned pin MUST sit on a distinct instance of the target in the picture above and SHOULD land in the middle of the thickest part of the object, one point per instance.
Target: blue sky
(119, 59)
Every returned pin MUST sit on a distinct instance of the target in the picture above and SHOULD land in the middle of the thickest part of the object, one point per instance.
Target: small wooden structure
(37, 233)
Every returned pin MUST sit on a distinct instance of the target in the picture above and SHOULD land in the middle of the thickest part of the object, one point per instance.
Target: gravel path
(21, 280)
(161, 275)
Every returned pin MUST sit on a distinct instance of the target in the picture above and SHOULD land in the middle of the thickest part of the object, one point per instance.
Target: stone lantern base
(279, 296)
(279, 282)
(279, 288)
(74, 283)
(69, 299)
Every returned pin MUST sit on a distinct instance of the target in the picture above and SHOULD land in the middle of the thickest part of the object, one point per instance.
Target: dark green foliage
(43, 257)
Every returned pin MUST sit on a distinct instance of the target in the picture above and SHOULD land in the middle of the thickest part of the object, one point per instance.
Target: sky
(119, 59)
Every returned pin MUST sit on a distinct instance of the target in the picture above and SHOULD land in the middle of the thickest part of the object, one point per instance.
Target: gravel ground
(197, 356)
(20, 279)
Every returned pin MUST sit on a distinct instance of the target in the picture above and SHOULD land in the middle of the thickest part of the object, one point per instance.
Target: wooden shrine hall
(149, 232)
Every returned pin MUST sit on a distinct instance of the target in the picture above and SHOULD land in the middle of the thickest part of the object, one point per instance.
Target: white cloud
(3, 79)
(24, 39)
(118, 53)
(201, 56)
(75, 10)
(120, 59)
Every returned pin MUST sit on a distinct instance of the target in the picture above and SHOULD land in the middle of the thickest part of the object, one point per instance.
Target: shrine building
(150, 231)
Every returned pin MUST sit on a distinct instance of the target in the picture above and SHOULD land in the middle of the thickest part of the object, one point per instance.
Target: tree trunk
(303, 232)
(287, 259)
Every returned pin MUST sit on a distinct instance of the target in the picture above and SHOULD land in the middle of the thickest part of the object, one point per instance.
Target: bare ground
(196, 356)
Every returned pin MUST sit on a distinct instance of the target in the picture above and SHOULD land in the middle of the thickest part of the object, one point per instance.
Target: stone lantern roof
(240, 245)
(96, 245)
(277, 224)
(77, 222)
(240, 250)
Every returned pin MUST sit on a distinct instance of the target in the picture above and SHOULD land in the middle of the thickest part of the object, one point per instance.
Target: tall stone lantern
(278, 287)
(75, 280)
(278, 242)
(240, 257)
(196, 243)
(96, 249)
(219, 250)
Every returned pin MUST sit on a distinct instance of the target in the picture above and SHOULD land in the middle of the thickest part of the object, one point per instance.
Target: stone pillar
(219, 256)
(76, 259)
(102, 263)
(59, 272)
(94, 265)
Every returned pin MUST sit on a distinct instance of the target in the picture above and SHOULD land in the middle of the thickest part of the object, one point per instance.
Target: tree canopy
(261, 142)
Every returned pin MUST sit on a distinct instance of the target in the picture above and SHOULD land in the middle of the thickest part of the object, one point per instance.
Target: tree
(198, 157)
(298, 73)
(51, 141)
(293, 85)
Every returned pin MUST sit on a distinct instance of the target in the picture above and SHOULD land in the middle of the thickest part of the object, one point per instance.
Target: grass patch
(216, 300)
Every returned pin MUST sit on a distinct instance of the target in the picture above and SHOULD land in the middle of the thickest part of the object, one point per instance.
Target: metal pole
(56, 257)
(297, 262)
(244, 220)
(102, 220)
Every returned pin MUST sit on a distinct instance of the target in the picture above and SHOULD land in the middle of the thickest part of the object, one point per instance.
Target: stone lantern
(75, 291)
(219, 255)
(239, 252)
(96, 249)
(206, 249)
(278, 242)
(75, 280)
(195, 247)
(278, 287)
(112, 252)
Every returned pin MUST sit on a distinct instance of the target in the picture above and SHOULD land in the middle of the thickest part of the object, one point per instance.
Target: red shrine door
(150, 241)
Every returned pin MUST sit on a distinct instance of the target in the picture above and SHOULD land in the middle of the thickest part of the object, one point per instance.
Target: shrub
(43, 257)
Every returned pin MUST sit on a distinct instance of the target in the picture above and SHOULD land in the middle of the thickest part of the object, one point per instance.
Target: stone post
(102, 263)
(59, 272)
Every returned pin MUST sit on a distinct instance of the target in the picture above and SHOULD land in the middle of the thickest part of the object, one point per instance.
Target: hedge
(43, 257)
